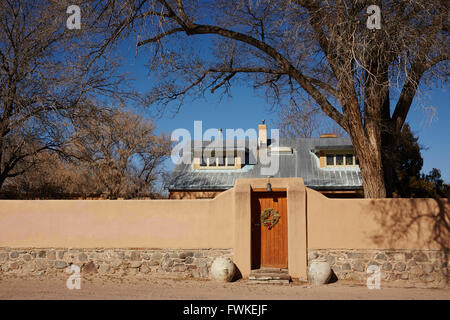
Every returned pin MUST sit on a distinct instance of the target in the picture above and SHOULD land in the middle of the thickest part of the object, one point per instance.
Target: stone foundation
(175, 263)
(415, 268)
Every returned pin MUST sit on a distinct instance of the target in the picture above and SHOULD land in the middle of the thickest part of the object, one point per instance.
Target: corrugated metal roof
(302, 162)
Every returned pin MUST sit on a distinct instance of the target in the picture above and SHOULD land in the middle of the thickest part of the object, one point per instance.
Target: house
(327, 164)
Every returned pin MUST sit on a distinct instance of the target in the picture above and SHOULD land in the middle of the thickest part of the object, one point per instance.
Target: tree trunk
(370, 160)
(2, 182)
(372, 176)
(389, 143)
(389, 136)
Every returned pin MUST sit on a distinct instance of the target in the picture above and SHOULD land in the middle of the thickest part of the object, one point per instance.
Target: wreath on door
(269, 218)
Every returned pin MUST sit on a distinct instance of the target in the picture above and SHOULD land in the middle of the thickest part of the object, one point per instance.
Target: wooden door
(269, 247)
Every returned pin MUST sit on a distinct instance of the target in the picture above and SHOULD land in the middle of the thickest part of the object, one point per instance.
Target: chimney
(262, 134)
(328, 135)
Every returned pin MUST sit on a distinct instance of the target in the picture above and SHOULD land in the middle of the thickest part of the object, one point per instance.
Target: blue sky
(246, 108)
(435, 136)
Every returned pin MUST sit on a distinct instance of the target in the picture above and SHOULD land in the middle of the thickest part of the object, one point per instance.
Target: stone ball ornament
(319, 272)
(222, 269)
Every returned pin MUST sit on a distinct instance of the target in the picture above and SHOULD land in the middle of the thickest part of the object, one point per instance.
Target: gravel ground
(157, 289)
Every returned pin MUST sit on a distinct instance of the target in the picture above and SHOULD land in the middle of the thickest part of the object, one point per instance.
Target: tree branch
(227, 78)
(418, 68)
(304, 81)
(159, 36)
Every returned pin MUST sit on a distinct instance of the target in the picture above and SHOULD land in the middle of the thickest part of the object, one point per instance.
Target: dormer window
(336, 156)
(337, 159)
(213, 161)
(349, 159)
(223, 155)
(330, 160)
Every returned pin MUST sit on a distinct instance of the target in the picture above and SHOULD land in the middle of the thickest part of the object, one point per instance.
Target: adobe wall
(408, 239)
(379, 223)
(178, 238)
(117, 223)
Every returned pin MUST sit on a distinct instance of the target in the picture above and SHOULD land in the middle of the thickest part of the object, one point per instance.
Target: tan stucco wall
(314, 222)
(118, 223)
(372, 224)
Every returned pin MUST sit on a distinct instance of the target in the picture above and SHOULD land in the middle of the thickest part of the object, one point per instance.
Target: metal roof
(302, 162)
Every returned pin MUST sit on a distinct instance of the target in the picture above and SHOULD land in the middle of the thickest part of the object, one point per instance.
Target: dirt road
(55, 288)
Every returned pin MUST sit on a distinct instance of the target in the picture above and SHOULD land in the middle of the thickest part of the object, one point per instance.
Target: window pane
(212, 161)
(252, 156)
(203, 162)
(357, 161)
(231, 161)
(339, 159)
(330, 160)
(221, 161)
(349, 159)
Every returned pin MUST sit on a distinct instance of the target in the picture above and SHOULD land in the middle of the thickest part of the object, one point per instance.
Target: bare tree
(111, 153)
(364, 79)
(305, 120)
(46, 71)
(122, 150)
(53, 177)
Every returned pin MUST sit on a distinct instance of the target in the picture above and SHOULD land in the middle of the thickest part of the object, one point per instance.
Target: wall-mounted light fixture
(269, 186)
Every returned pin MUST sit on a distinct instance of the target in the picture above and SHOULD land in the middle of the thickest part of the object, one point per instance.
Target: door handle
(256, 224)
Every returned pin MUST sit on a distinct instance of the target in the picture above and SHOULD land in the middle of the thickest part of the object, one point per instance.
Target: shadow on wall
(427, 221)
